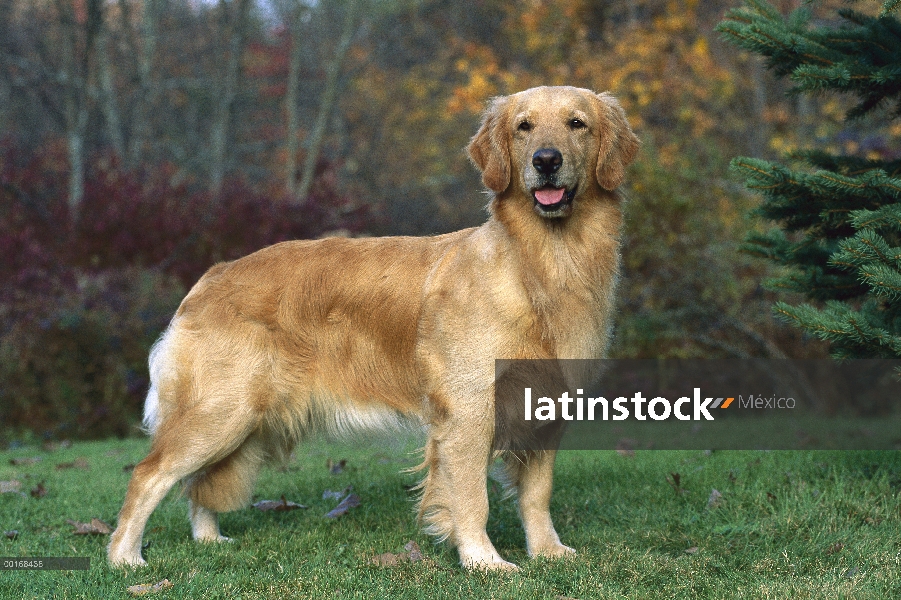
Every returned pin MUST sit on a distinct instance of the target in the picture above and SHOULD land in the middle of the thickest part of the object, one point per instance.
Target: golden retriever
(347, 333)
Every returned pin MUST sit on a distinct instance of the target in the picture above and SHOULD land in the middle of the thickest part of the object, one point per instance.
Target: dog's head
(553, 144)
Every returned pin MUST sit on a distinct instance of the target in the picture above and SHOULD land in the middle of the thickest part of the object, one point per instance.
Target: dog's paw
(214, 539)
(557, 550)
(126, 560)
(488, 563)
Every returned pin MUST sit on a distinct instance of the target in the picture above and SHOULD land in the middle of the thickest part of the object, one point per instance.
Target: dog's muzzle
(551, 199)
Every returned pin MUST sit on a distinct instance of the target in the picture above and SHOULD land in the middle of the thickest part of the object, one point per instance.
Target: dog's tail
(159, 357)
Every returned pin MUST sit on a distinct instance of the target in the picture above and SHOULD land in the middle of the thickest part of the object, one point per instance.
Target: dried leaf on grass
(715, 499)
(95, 527)
(330, 495)
(625, 447)
(39, 491)
(8, 487)
(390, 559)
(675, 480)
(336, 467)
(11, 534)
(351, 501)
(278, 505)
(692, 550)
(29, 460)
(148, 588)
(79, 463)
(54, 446)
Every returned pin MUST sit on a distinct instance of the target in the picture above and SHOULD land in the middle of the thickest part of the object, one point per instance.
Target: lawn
(809, 524)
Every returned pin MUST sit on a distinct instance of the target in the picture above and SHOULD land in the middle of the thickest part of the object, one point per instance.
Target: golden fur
(348, 333)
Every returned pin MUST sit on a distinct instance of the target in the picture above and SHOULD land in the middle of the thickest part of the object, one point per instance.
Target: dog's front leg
(455, 498)
(534, 474)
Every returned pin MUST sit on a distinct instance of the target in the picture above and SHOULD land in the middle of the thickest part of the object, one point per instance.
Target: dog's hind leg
(183, 445)
(224, 486)
(532, 474)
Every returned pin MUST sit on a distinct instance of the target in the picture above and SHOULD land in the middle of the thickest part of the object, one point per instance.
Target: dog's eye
(525, 126)
(577, 124)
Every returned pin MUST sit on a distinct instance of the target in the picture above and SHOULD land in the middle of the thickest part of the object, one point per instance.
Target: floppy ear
(618, 144)
(489, 149)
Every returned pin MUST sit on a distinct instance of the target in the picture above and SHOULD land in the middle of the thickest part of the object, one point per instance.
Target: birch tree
(327, 104)
(79, 26)
(291, 96)
(227, 88)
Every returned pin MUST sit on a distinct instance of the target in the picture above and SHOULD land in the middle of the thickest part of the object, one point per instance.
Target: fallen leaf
(147, 588)
(336, 467)
(348, 503)
(836, 547)
(79, 463)
(851, 572)
(715, 499)
(675, 480)
(11, 534)
(625, 447)
(413, 549)
(278, 505)
(770, 497)
(330, 495)
(692, 550)
(39, 491)
(53, 446)
(390, 559)
(7, 487)
(387, 559)
(95, 527)
(30, 460)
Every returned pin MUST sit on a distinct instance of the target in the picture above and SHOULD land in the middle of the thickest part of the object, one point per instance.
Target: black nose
(547, 160)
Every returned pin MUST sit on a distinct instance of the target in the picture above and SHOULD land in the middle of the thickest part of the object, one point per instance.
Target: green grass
(789, 525)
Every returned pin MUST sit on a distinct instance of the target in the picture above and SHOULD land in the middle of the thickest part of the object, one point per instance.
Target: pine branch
(837, 323)
(867, 248)
(886, 217)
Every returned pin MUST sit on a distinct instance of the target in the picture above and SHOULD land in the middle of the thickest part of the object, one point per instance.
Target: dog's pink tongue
(548, 196)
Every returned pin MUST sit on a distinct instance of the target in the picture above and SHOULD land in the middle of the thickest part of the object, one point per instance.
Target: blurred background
(141, 141)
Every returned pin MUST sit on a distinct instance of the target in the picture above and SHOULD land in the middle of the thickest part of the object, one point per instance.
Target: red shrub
(83, 299)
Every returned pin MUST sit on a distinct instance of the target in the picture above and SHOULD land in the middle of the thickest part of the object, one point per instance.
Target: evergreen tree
(839, 216)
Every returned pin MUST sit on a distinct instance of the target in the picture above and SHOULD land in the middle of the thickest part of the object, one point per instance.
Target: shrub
(84, 298)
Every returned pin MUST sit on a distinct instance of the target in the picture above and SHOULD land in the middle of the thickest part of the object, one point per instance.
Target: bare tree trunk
(227, 93)
(317, 135)
(291, 110)
(76, 70)
(108, 93)
(140, 119)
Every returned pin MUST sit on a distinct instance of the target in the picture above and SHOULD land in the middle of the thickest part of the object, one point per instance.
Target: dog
(341, 334)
